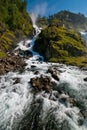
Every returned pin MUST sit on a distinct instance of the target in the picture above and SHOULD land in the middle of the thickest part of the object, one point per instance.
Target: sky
(48, 7)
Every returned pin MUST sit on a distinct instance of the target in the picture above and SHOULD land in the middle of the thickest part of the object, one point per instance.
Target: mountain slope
(15, 23)
(59, 44)
(68, 19)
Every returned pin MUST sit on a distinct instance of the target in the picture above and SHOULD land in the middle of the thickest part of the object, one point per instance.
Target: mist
(38, 10)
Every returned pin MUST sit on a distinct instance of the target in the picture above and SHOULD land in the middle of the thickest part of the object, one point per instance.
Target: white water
(16, 98)
(84, 35)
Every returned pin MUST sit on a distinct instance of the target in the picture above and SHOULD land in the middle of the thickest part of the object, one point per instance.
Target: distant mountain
(68, 19)
(71, 20)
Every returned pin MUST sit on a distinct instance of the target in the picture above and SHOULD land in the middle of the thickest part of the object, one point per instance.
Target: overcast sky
(48, 7)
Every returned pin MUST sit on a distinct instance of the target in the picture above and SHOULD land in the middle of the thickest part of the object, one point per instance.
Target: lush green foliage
(13, 14)
(15, 22)
(59, 44)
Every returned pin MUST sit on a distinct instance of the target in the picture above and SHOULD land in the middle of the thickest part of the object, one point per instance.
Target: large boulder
(54, 73)
(41, 83)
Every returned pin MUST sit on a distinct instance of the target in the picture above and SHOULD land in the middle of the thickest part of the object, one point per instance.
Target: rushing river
(22, 109)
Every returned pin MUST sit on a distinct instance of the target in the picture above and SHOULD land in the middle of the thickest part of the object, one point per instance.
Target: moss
(58, 44)
(6, 40)
(2, 54)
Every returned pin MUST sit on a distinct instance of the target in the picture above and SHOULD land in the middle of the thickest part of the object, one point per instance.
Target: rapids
(21, 108)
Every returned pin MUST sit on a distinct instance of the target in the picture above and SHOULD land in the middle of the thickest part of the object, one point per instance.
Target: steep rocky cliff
(59, 44)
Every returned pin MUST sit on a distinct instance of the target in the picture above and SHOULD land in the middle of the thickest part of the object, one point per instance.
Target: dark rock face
(25, 54)
(36, 72)
(11, 63)
(42, 83)
(85, 79)
(59, 44)
(54, 73)
(17, 80)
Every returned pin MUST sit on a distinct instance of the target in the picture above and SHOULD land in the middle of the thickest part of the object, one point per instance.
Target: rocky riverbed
(41, 95)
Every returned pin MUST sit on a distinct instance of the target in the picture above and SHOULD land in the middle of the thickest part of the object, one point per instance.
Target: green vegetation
(67, 18)
(71, 20)
(59, 44)
(15, 23)
(42, 21)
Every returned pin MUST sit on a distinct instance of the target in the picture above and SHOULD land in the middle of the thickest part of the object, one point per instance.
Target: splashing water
(38, 10)
(21, 108)
(34, 18)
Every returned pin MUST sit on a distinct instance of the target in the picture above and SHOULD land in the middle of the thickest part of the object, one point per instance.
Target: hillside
(59, 44)
(15, 24)
(69, 19)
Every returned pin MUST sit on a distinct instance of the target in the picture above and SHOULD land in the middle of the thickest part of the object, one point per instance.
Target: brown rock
(42, 83)
(54, 73)
(11, 63)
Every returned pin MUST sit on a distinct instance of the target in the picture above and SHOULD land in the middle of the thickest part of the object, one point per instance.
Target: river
(23, 109)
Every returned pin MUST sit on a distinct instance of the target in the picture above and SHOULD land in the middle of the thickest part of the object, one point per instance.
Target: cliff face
(59, 44)
(15, 24)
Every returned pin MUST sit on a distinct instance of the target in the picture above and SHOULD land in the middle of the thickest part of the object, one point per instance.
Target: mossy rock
(58, 44)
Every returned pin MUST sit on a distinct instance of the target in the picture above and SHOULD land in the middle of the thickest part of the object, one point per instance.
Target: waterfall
(63, 108)
(33, 18)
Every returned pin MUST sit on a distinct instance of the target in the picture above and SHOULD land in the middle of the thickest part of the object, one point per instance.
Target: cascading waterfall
(23, 108)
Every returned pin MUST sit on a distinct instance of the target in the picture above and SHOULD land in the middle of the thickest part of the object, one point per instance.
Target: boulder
(36, 72)
(42, 83)
(85, 79)
(17, 80)
(54, 73)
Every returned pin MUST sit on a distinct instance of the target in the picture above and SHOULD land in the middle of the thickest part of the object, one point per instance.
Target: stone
(17, 80)
(54, 73)
(42, 83)
(11, 63)
(85, 79)
(36, 72)
(33, 66)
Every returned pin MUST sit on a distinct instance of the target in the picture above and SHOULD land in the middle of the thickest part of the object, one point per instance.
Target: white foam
(17, 97)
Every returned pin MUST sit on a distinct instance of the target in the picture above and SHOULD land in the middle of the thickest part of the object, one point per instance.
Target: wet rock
(36, 72)
(56, 94)
(17, 80)
(84, 113)
(25, 54)
(85, 79)
(54, 73)
(28, 53)
(11, 63)
(14, 90)
(33, 66)
(42, 83)
(72, 101)
(80, 122)
(64, 97)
